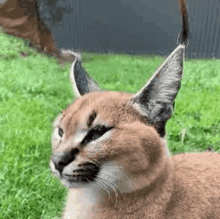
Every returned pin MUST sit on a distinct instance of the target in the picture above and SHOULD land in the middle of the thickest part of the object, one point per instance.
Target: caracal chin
(109, 149)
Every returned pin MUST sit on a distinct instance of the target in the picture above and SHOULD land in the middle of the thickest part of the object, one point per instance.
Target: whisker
(112, 187)
(103, 184)
(90, 184)
(109, 185)
(113, 183)
(113, 165)
(112, 176)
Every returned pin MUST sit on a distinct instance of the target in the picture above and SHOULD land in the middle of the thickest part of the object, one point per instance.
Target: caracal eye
(58, 133)
(95, 133)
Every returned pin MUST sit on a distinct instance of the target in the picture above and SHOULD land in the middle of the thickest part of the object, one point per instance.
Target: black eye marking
(60, 132)
(91, 119)
(95, 133)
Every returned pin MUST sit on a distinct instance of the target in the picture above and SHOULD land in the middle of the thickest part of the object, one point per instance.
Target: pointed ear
(156, 99)
(81, 81)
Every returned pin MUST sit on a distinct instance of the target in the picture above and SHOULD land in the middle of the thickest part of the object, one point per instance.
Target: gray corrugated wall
(135, 26)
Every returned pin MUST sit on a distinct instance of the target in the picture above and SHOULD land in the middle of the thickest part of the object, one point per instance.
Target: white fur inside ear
(168, 59)
(76, 91)
(76, 56)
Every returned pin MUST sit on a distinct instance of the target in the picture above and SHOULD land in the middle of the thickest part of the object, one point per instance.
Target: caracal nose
(62, 159)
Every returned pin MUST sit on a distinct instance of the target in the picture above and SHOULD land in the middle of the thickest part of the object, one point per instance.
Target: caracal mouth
(78, 177)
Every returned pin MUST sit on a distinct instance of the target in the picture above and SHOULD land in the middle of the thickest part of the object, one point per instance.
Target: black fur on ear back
(82, 83)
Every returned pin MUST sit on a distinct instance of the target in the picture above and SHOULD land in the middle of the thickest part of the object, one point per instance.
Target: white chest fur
(80, 204)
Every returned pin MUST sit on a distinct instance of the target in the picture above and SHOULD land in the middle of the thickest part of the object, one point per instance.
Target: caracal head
(114, 140)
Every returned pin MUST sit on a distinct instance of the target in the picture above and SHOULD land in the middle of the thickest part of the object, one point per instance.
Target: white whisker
(112, 187)
(90, 184)
(103, 184)
(112, 177)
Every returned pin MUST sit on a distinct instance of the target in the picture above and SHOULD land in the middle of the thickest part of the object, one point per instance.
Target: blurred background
(133, 27)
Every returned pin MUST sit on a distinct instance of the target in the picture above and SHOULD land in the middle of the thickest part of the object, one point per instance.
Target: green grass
(35, 88)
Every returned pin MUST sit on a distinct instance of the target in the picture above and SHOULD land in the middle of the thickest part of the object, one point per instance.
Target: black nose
(62, 159)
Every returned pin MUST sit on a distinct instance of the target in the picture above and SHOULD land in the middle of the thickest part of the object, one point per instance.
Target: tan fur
(109, 149)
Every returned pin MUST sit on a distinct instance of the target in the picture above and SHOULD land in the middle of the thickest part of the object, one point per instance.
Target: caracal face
(104, 142)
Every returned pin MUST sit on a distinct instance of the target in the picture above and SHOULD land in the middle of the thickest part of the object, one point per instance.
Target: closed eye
(95, 133)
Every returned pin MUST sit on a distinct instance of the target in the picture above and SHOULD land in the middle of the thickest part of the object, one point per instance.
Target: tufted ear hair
(156, 99)
(81, 81)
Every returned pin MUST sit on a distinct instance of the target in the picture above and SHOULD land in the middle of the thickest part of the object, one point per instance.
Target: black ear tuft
(185, 24)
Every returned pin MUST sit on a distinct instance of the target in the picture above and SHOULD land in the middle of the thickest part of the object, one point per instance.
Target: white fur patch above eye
(79, 136)
(57, 120)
